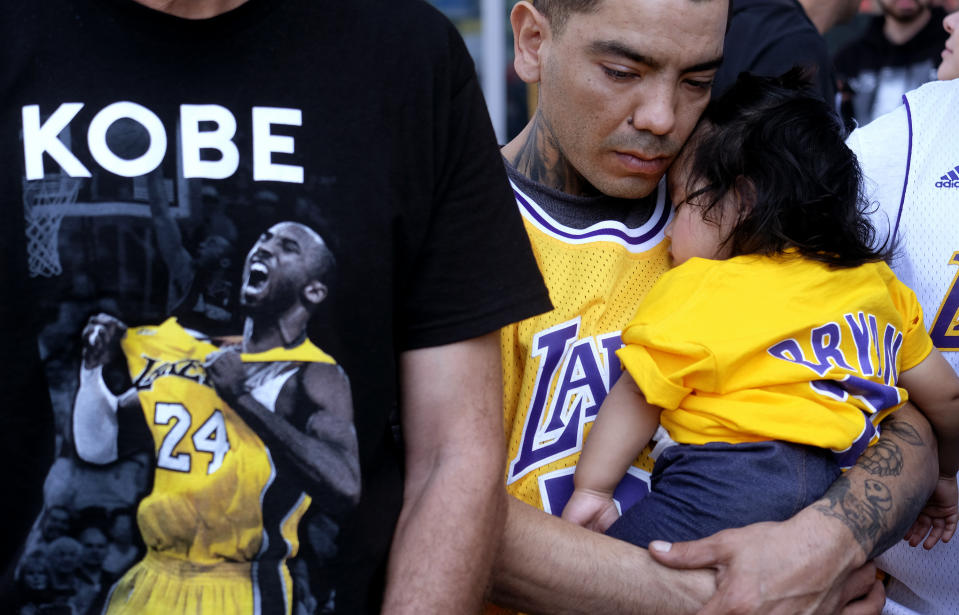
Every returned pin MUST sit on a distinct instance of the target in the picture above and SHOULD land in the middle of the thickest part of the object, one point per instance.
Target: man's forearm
(453, 497)
(95, 419)
(547, 565)
(814, 562)
(444, 542)
(880, 497)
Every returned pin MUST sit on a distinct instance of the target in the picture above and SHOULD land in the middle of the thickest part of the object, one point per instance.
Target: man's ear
(530, 31)
(315, 292)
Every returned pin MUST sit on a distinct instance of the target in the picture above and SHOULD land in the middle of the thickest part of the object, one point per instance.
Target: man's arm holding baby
(815, 562)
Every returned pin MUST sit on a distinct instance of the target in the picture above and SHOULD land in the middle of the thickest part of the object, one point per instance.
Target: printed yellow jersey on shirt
(558, 366)
(209, 501)
(775, 348)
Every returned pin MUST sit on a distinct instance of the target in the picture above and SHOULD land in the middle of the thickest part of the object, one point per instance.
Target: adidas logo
(950, 179)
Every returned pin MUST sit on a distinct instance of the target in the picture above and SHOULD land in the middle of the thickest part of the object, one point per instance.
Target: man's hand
(816, 561)
(776, 568)
(101, 340)
(225, 370)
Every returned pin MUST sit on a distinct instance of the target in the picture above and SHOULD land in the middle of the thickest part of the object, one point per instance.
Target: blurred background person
(898, 51)
(124, 548)
(33, 584)
(93, 581)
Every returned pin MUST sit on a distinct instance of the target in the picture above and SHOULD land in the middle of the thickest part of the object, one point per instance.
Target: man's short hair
(557, 12)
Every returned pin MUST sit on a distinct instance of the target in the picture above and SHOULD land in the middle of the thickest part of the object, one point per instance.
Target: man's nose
(656, 111)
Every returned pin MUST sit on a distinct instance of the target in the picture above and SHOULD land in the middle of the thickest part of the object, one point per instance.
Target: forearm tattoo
(883, 459)
(867, 508)
(904, 431)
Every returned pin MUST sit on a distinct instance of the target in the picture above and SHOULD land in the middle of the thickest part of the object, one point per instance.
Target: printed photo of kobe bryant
(246, 437)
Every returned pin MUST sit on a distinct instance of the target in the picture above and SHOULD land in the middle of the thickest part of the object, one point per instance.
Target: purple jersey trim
(595, 233)
(905, 182)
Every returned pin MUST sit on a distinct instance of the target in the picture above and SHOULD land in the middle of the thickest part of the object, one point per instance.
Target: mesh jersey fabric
(558, 366)
(904, 155)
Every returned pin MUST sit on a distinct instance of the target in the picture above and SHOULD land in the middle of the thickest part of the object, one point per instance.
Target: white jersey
(910, 158)
(914, 177)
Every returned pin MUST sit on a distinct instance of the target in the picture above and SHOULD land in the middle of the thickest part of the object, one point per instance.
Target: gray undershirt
(581, 212)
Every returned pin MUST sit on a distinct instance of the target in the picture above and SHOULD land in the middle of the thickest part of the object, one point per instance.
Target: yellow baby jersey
(558, 366)
(775, 348)
(217, 498)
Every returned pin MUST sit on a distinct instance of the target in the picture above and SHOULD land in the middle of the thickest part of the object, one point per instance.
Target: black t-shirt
(768, 37)
(146, 153)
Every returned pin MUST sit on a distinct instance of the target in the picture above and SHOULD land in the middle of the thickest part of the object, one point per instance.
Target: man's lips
(643, 165)
(257, 275)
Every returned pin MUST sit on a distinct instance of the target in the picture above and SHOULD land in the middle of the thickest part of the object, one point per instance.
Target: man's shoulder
(862, 140)
(382, 35)
(306, 352)
(942, 91)
(322, 376)
(765, 26)
(760, 10)
(407, 24)
(398, 14)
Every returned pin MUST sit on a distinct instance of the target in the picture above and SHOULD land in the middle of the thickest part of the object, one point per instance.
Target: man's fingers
(870, 604)
(702, 553)
(858, 583)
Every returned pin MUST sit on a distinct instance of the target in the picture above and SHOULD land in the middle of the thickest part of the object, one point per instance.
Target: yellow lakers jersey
(558, 366)
(216, 494)
(775, 348)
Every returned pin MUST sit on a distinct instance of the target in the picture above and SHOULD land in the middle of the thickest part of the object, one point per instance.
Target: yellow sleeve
(657, 351)
(916, 343)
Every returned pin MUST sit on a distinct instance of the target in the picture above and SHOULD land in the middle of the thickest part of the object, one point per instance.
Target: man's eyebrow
(710, 65)
(619, 49)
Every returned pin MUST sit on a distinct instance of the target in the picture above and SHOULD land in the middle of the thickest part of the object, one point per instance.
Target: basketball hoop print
(45, 202)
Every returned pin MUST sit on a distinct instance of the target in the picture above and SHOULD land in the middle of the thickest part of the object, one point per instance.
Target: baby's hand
(590, 509)
(938, 518)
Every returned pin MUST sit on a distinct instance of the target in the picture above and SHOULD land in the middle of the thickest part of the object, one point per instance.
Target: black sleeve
(807, 49)
(770, 38)
(474, 271)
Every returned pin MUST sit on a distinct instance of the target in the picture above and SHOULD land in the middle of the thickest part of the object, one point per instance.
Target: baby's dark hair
(777, 149)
